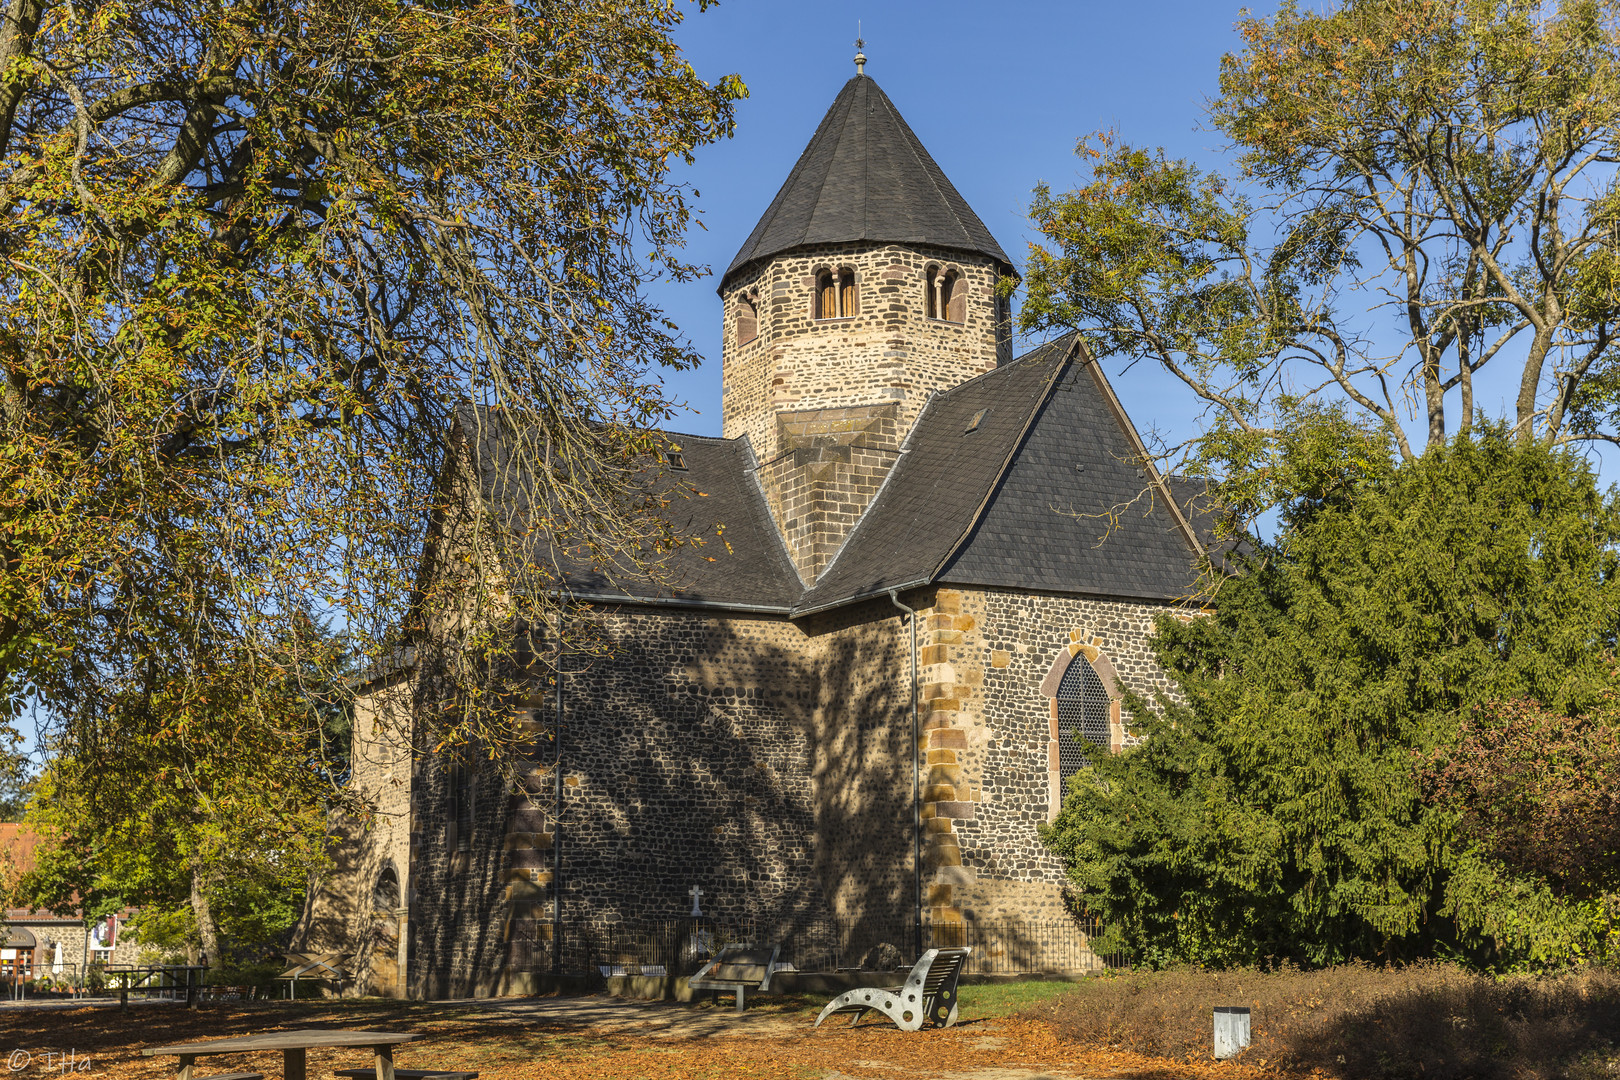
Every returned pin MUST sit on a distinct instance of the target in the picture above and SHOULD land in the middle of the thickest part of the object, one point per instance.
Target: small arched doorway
(383, 932)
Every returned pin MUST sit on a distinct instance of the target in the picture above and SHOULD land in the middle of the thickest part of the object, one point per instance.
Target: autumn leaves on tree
(259, 261)
(1394, 733)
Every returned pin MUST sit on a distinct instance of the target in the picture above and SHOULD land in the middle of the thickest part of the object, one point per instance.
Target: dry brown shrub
(1431, 1021)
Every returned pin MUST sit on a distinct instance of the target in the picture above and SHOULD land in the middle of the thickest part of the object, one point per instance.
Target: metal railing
(678, 946)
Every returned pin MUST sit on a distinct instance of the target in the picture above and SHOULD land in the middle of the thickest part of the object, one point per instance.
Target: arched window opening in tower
(837, 296)
(747, 320)
(826, 295)
(1082, 708)
(946, 298)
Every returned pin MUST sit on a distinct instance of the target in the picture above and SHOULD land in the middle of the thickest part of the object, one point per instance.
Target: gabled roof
(1028, 477)
(739, 560)
(866, 176)
(1050, 491)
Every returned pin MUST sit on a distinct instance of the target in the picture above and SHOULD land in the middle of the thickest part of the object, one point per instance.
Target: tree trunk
(207, 928)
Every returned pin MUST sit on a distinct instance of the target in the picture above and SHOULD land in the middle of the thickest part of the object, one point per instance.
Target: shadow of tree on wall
(765, 764)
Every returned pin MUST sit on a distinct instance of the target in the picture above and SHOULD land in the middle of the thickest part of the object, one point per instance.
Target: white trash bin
(1231, 1030)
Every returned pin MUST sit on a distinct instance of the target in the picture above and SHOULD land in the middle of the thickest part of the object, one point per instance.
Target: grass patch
(987, 1000)
(1429, 1021)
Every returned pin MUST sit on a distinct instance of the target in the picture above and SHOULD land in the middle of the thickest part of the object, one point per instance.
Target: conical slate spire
(866, 176)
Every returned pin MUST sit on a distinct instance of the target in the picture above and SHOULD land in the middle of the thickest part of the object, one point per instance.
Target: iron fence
(679, 946)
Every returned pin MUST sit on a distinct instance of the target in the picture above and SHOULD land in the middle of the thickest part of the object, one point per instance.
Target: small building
(51, 943)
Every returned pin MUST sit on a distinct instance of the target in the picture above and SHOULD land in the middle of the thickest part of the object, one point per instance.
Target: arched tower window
(945, 296)
(837, 296)
(747, 319)
(1082, 714)
(385, 894)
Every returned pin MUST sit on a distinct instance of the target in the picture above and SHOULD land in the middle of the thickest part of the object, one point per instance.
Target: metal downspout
(916, 781)
(556, 833)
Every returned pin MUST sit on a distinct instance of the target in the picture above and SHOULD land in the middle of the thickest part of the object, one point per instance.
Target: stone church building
(899, 495)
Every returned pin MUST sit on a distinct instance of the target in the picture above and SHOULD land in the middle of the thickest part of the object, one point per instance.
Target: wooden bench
(738, 968)
(402, 1074)
(929, 993)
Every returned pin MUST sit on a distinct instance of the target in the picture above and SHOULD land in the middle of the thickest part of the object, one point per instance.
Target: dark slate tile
(866, 176)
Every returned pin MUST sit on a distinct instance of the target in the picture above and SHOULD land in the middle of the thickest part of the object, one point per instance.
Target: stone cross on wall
(696, 894)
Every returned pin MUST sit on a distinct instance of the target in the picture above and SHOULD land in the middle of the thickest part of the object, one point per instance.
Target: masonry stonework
(889, 351)
(748, 736)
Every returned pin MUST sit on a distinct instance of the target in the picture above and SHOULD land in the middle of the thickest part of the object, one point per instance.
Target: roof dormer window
(836, 294)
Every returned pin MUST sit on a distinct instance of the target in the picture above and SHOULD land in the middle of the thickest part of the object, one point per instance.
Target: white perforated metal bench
(929, 993)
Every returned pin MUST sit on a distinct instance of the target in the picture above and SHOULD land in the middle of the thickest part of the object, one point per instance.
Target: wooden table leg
(385, 1062)
(293, 1063)
(186, 1062)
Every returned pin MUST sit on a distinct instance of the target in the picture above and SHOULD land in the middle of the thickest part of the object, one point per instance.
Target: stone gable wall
(890, 351)
(988, 736)
(832, 463)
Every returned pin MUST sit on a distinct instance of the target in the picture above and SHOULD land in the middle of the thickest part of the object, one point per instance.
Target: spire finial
(860, 46)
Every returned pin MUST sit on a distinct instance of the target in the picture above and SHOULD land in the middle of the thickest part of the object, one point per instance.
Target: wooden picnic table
(293, 1045)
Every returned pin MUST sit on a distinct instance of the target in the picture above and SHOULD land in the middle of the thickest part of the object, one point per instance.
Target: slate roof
(1078, 509)
(943, 477)
(1006, 505)
(1047, 492)
(741, 562)
(866, 176)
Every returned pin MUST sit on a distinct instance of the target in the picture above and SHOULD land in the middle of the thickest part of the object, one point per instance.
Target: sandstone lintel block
(948, 739)
(964, 622)
(938, 825)
(955, 875)
(947, 637)
(939, 705)
(1000, 658)
(938, 793)
(948, 600)
(939, 895)
(948, 808)
(942, 757)
(525, 892)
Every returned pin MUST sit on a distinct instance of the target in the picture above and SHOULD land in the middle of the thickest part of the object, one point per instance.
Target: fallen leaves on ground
(105, 1044)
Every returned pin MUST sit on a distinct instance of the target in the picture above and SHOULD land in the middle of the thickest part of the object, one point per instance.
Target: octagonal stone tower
(868, 284)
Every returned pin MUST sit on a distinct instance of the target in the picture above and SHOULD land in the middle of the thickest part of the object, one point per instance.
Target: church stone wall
(988, 730)
(832, 464)
(890, 351)
(765, 762)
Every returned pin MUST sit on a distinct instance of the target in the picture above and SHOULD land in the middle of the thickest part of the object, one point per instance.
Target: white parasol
(56, 961)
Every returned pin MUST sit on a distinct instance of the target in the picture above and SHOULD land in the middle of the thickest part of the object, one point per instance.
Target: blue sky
(999, 93)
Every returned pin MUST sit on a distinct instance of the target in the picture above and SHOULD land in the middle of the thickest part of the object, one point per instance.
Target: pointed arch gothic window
(1082, 715)
(837, 295)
